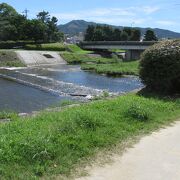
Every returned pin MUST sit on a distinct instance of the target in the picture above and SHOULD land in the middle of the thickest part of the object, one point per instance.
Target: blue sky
(138, 13)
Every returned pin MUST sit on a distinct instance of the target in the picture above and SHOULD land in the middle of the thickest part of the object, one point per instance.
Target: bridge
(133, 48)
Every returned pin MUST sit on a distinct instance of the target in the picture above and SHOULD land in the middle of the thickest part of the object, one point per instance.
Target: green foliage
(124, 36)
(135, 35)
(10, 59)
(14, 26)
(7, 10)
(160, 67)
(150, 36)
(107, 33)
(138, 112)
(52, 143)
(46, 47)
(76, 49)
(67, 103)
(8, 115)
(117, 69)
(73, 58)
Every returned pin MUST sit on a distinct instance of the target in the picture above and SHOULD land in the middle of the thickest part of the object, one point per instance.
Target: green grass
(118, 50)
(121, 68)
(47, 47)
(10, 59)
(53, 143)
(74, 58)
(8, 115)
(76, 49)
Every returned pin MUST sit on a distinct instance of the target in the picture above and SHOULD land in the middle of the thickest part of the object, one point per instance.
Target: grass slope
(53, 143)
(75, 58)
(47, 47)
(121, 68)
(10, 59)
(76, 49)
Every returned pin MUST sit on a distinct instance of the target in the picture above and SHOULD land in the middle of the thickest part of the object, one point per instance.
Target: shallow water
(76, 76)
(20, 98)
(47, 85)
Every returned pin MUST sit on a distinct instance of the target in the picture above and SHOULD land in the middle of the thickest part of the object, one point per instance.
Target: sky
(163, 14)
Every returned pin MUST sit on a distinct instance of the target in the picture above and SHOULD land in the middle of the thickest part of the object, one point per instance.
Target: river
(35, 88)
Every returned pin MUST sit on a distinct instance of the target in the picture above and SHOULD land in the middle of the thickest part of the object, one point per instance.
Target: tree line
(14, 26)
(107, 33)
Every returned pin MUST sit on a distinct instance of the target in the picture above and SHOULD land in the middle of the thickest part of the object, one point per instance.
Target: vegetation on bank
(46, 47)
(10, 59)
(76, 49)
(108, 33)
(53, 143)
(117, 69)
(8, 115)
(16, 27)
(111, 65)
(76, 58)
(160, 67)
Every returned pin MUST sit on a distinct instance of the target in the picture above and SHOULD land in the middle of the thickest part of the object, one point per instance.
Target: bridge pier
(133, 54)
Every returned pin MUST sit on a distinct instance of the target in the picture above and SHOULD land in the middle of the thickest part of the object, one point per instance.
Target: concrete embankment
(36, 58)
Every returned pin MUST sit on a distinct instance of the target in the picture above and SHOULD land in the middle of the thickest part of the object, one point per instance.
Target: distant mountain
(76, 26)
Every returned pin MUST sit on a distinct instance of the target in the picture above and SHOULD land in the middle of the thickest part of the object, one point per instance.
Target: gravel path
(155, 157)
(36, 58)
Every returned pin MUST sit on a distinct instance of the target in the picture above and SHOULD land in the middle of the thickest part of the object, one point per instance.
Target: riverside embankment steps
(36, 58)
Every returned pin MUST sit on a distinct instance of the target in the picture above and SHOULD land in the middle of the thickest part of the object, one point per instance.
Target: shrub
(46, 47)
(138, 112)
(160, 67)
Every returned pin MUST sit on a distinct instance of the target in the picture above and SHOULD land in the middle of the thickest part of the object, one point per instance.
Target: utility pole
(132, 24)
(25, 12)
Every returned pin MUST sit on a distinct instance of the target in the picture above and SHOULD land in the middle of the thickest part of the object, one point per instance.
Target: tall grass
(76, 49)
(74, 58)
(46, 47)
(118, 69)
(10, 59)
(53, 143)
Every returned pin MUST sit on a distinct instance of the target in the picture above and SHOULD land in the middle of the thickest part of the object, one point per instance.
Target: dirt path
(155, 157)
(36, 58)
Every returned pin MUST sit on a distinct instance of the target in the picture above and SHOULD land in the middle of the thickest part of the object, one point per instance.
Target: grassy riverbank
(53, 143)
(46, 47)
(75, 58)
(117, 69)
(111, 65)
(9, 59)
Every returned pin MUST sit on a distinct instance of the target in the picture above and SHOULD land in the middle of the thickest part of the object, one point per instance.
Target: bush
(160, 67)
(12, 44)
(138, 112)
(46, 47)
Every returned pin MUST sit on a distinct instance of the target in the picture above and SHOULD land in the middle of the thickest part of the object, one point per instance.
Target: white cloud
(116, 16)
(166, 22)
(150, 10)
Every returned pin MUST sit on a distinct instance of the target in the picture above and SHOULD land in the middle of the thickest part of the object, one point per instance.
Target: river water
(35, 88)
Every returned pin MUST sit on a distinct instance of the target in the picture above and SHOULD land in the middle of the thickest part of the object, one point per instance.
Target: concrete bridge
(133, 48)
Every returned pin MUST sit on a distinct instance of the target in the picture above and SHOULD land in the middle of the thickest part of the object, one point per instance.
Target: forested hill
(76, 26)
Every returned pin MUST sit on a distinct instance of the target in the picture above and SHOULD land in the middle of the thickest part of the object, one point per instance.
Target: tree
(43, 16)
(116, 35)
(124, 36)
(90, 33)
(108, 33)
(150, 36)
(7, 29)
(128, 30)
(14, 26)
(98, 34)
(7, 11)
(135, 35)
